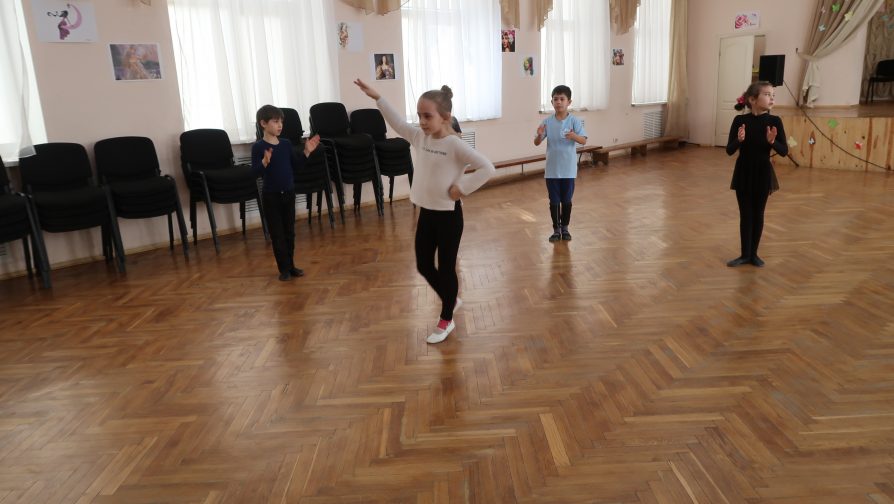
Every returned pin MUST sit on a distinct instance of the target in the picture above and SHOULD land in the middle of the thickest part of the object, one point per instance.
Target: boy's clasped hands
(310, 145)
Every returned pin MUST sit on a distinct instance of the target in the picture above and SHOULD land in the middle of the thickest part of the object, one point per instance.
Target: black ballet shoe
(757, 261)
(296, 272)
(284, 276)
(555, 237)
(738, 261)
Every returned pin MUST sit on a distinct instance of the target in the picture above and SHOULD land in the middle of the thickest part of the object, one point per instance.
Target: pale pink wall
(785, 25)
(82, 103)
(511, 135)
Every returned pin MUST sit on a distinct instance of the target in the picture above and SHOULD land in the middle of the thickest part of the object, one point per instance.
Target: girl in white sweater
(439, 181)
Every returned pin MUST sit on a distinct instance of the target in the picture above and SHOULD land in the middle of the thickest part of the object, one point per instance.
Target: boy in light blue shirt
(563, 132)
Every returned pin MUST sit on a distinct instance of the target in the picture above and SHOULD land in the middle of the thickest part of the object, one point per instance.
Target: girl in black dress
(753, 135)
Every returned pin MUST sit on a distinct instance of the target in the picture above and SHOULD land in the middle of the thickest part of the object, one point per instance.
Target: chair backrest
(205, 149)
(5, 186)
(56, 166)
(126, 158)
(885, 68)
(329, 119)
(291, 126)
(369, 121)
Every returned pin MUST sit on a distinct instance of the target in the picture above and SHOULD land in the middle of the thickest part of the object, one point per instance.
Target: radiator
(653, 123)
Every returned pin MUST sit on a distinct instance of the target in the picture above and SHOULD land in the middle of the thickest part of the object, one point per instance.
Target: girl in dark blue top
(753, 135)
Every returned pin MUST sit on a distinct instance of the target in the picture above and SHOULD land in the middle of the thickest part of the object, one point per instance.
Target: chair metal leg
(320, 206)
(390, 190)
(192, 221)
(379, 190)
(115, 234)
(41, 261)
(329, 208)
(211, 219)
(242, 215)
(27, 250)
(181, 224)
(170, 233)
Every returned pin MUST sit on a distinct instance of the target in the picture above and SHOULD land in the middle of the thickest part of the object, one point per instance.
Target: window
(651, 56)
(235, 55)
(454, 42)
(21, 123)
(575, 51)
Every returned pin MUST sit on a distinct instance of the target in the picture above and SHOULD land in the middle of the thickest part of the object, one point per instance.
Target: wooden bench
(522, 161)
(635, 147)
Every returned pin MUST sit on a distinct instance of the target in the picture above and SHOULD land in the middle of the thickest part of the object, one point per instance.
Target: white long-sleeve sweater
(438, 163)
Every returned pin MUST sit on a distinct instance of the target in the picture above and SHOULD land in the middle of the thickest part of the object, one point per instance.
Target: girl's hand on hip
(771, 134)
(455, 193)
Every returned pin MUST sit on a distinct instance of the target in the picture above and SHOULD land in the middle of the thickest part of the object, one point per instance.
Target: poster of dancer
(135, 61)
(64, 20)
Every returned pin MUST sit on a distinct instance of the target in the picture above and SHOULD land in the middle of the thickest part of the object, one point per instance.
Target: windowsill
(653, 104)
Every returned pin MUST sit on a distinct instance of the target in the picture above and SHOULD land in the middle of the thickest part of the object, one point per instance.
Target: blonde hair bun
(447, 91)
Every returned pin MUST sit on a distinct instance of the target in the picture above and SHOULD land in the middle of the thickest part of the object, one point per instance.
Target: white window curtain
(235, 55)
(576, 51)
(21, 122)
(651, 55)
(457, 43)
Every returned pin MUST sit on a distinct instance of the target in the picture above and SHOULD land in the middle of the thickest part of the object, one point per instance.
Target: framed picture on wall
(527, 66)
(350, 36)
(384, 66)
(135, 61)
(64, 20)
(507, 40)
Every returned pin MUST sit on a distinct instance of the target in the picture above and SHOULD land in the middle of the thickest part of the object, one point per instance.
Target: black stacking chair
(351, 154)
(129, 166)
(392, 154)
(59, 179)
(206, 157)
(315, 178)
(18, 222)
(884, 72)
(291, 126)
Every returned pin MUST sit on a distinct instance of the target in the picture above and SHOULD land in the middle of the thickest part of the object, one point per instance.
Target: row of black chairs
(355, 151)
(60, 193)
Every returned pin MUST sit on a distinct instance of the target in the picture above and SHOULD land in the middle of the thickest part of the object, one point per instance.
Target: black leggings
(279, 210)
(439, 230)
(751, 220)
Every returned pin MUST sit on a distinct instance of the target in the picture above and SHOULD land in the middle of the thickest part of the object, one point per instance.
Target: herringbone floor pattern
(629, 365)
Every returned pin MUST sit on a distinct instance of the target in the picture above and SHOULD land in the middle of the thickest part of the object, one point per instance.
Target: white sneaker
(458, 305)
(440, 334)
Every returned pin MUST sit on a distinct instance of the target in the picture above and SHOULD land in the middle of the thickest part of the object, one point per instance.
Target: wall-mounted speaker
(772, 67)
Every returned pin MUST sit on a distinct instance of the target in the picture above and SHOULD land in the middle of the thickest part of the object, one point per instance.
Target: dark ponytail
(753, 91)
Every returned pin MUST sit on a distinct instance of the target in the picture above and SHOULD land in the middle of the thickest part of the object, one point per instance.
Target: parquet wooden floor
(629, 365)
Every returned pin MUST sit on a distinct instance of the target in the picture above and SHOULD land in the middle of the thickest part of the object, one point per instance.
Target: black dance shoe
(738, 261)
